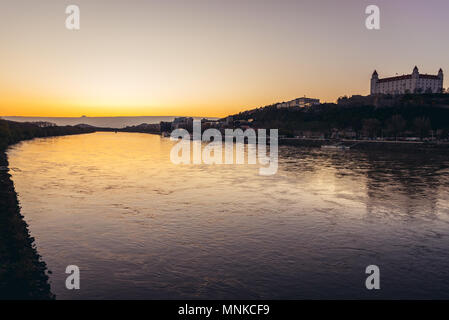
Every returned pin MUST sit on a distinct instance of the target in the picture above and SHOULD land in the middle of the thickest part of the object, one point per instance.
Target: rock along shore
(23, 275)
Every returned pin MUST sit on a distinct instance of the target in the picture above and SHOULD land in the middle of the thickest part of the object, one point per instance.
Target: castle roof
(404, 77)
(408, 76)
(428, 76)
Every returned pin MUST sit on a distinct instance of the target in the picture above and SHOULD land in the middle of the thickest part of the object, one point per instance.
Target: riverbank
(356, 144)
(368, 144)
(23, 274)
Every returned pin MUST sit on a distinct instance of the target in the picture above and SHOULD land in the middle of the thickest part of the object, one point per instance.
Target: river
(140, 227)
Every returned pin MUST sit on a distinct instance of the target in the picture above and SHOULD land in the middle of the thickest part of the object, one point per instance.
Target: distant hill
(12, 132)
(374, 116)
(98, 122)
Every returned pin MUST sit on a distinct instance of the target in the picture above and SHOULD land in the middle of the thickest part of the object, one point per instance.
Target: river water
(140, 227)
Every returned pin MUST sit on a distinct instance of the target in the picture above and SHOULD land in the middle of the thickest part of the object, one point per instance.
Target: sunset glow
(219, 58)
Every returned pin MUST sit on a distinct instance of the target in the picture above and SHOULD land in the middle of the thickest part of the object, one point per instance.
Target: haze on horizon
(206, 57)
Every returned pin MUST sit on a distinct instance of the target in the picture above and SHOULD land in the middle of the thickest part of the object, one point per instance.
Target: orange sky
(205, 58)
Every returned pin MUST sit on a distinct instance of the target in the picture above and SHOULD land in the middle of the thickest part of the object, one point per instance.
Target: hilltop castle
(410, 83)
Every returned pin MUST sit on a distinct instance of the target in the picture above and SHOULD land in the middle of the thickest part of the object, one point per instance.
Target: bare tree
(371, 127)
(422, 126)
(396, 125)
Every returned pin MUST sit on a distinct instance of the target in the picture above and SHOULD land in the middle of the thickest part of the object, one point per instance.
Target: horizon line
(81, 117)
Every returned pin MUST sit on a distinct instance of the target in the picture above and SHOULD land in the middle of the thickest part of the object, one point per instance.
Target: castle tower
(415, 73)
(415, 81)
(374, 79)
(440, 81)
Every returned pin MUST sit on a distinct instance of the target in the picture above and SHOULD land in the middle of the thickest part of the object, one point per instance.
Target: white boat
(334, 147)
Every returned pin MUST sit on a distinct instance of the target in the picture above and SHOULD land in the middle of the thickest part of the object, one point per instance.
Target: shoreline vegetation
(23, 274)
(385, 122)
(415, 118)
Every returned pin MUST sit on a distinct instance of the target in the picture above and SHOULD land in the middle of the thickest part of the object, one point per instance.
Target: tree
(371, 127)
(422, 126)
(5, 134)
(396, 125)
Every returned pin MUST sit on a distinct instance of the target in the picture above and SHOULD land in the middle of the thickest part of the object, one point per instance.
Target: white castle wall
(412, 83)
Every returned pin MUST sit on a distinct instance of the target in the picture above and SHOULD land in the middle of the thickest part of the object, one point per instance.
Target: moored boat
(334, 147)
